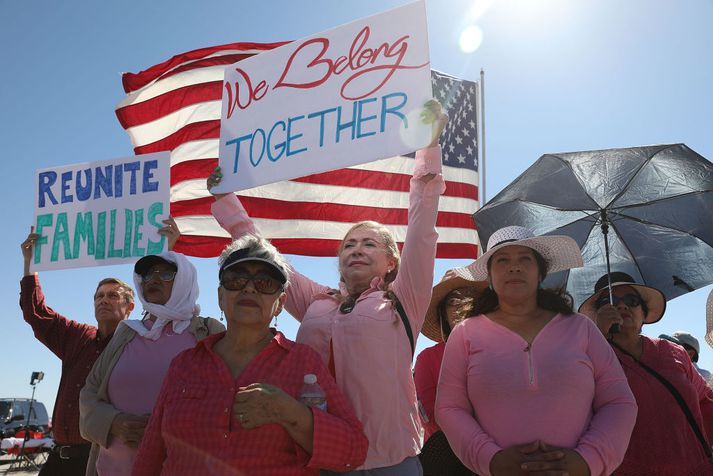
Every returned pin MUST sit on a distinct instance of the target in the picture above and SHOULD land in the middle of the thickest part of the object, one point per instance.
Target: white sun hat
(709, 319)
(559, 251)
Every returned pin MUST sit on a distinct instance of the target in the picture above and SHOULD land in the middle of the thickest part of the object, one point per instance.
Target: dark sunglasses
(162, 275)
(263, 283)
(457, 300)
(631, 300)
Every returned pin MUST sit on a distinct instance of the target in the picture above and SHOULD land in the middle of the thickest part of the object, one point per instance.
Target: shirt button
(226, 410)
(225, 435)
(79, 385)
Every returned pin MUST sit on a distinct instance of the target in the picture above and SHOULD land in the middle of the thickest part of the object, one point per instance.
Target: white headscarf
(180, 307)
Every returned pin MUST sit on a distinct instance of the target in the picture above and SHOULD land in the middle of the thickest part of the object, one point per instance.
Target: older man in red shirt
(78, 345)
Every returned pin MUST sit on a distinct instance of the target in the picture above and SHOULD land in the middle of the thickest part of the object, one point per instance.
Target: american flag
(175, 106)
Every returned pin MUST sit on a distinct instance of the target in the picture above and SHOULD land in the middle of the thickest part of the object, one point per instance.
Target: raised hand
(170, 231)
(214, 179)
(28, 247)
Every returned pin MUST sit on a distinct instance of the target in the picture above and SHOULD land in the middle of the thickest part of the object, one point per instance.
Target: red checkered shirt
(192, 430)
(76, 344)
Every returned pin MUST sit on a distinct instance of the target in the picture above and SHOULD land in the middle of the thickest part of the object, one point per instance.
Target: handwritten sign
(347, 96)
(101, 213)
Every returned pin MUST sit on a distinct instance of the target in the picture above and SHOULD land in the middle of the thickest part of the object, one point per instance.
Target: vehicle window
(4, 410)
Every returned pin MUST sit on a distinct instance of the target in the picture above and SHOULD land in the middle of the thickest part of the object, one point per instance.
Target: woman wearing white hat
(526, 384)
(675, 405)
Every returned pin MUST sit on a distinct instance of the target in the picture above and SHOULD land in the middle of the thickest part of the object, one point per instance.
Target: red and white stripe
(175, 106)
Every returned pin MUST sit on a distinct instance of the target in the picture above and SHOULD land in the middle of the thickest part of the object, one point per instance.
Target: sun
(470, 39)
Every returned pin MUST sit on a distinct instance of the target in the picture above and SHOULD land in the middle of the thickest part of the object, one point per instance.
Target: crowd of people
(517, 383)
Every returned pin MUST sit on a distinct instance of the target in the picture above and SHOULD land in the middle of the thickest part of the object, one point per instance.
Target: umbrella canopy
(656, 200)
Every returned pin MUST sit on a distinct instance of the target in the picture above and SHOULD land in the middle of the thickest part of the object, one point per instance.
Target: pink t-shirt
(566, 389)
(134, 385)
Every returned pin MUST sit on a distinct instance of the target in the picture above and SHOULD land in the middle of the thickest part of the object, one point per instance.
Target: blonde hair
(386, 238)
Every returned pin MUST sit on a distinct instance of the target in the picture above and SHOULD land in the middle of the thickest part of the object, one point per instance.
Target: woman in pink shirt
(357, 329)
(527, 385)
(665, 442)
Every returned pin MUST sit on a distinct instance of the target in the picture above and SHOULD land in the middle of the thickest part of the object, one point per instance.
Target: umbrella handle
(615, 328)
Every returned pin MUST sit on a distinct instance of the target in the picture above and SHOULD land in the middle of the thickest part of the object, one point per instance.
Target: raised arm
(415, 278)
(233, 217)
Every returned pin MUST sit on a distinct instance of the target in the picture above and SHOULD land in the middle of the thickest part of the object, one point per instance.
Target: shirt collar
(278, 339)
(375, 285)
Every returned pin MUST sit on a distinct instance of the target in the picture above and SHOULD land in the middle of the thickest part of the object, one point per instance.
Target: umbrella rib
(628, 249)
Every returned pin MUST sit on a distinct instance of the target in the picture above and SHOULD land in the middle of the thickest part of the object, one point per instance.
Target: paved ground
(5, 465)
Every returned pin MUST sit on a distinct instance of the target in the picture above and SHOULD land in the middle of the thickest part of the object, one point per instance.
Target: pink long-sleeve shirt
(566, 389)
(372, 355)
(425, 374)
(663, 443)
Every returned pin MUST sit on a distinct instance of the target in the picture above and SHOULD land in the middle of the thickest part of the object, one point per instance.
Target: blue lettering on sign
(393, 109)
(45, 182)
(102, 181)
(148, 185)
(291, 137)
(279, 146)
(84, 192)
(132, 167)
(66, 179)
(282, 138)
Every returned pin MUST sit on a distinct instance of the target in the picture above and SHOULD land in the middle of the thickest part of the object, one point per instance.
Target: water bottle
(312, 394)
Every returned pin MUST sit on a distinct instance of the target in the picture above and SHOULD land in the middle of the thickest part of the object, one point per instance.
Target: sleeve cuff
(592, 459)
(486, 455)
(428, 161)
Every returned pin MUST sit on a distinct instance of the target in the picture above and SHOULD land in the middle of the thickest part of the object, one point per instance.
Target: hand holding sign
(27, 248)
(170, 231)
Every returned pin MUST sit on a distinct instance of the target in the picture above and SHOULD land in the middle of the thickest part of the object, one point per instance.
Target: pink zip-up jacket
(567, 389)
(372, 355)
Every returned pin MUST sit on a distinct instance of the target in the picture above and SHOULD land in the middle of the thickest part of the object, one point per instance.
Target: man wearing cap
(78, 345)
(692, 347)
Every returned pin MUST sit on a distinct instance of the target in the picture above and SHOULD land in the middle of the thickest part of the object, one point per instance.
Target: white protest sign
(101, 213)
(347, 96)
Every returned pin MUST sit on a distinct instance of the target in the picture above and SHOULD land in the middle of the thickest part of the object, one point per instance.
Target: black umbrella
(648, 210)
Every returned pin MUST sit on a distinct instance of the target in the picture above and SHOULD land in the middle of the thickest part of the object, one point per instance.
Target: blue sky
(561, 75)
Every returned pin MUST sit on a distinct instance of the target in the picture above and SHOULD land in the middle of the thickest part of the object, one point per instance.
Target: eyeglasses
(263, 283)
(164, 276)
(631, 300)
(457, 300)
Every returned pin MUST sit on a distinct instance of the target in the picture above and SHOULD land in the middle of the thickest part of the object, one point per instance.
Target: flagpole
(481, 168)
(482, 136)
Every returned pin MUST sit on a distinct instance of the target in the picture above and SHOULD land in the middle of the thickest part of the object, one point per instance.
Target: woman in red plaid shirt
(230, 405)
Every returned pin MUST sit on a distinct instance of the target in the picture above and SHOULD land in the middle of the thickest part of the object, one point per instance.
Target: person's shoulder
(296, 349)
(214, 325)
